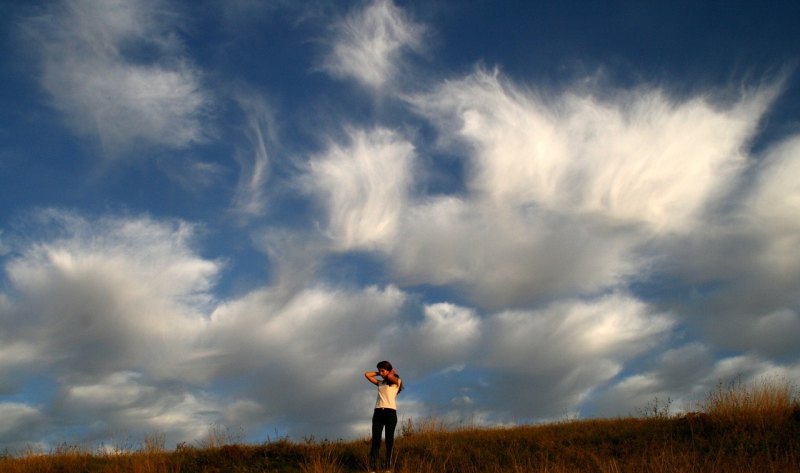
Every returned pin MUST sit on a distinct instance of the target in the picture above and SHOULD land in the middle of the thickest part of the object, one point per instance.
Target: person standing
(385, 414)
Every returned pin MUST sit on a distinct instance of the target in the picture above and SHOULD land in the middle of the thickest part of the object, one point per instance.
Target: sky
(216, 215)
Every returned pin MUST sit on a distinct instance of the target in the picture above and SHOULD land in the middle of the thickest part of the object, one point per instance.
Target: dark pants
(380, 419)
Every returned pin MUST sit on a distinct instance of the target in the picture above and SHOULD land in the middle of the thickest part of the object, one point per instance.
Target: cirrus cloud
(367, 45)
(116, 72)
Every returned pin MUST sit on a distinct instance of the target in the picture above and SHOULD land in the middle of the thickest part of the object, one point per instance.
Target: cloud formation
(364, 186)
(250, 200)
(120, 294)
(368, 45)
(106, 307)
(638, 158)
(527, 349)
(562, 195)
(117, 73)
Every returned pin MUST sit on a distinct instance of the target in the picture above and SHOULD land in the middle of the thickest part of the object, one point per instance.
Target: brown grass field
(736, 429)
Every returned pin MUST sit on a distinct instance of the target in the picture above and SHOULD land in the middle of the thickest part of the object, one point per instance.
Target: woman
(385, 414)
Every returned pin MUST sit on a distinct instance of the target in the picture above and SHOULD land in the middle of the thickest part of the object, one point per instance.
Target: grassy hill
(737, 429)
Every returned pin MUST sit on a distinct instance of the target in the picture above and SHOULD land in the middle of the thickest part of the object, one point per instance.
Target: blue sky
(223, 213)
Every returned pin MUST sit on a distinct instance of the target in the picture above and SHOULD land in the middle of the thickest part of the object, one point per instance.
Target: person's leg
(391, 423)
(377, 428)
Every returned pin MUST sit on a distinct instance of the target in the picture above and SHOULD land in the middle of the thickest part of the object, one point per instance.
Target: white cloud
(13, 353)
(364, 185)
(749, 369)
(614, 327)
(447, 336)
(125, 402)
(772, 209)
(20, 424)
(528, 364)
(294, 257)
(683, 377)
(743, 262)
(250, 200)
(109, 295)
(113, 311)
(678, 377)
(566, 195)
(639, 158)
(115, 70)
(506, 257)
(114, 391)
(368, 44)
(775, 334)
(14, 414)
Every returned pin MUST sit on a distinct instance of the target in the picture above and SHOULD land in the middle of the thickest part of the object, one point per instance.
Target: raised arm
(370, 375)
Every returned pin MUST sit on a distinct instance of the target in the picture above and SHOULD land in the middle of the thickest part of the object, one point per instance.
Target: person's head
(384, 368)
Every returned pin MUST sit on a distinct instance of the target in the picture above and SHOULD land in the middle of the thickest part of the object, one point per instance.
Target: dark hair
(385, 365)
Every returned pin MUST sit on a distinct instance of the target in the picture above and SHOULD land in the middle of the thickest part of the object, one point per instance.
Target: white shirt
(387, 393)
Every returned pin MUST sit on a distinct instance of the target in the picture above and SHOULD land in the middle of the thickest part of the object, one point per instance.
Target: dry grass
(763, 402)
(738, 429)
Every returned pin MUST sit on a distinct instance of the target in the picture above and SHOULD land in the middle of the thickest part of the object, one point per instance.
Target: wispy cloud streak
(364, 185)
(368, 44)
(255, 165)
(117, 73)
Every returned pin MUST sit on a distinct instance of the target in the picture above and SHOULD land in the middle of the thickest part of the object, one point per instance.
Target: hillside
(742, 430)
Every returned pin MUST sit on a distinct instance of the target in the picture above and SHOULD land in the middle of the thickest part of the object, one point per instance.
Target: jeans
(382, 418)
